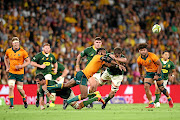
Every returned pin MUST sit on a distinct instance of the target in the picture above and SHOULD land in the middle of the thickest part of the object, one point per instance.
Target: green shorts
(152, 74)
(81, 78)
(17, 77)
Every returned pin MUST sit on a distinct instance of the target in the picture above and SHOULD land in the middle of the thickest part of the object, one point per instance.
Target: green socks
(157, 98)
(37, 96)
(90, 101)
(24, 99)
(11, 100)
(47, 99)
(76, 98)
(108, 98)
(55, 86)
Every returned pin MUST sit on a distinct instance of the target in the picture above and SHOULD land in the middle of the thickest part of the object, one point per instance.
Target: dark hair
(99, 49)
(165, 51)
(40, 76)
(117, 50)
(97, 38)
(142, 45)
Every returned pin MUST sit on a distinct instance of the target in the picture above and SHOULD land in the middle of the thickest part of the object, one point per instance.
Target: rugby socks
(151, 102)
(91, 95)
(55, 86)
(157, 98)
(90, 101)
(76, 98)
(108, 98)
(37, 96)
(169, 98)
(11, 100)
(24, 99)
(47, 99)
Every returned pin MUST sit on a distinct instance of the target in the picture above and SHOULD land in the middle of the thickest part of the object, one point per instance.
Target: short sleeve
(84, 53)
(61, 67)
(138, 61)
(172, 65)
(54, 60)
(35, 58)
(41, 92)
(25, 55)
(7, 52)
(154, 57)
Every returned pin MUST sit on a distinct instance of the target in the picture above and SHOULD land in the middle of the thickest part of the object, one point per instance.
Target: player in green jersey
(113, 73)
(168, 67)
(90, 52)
(43, 61)
(65, 93)
(58, 78)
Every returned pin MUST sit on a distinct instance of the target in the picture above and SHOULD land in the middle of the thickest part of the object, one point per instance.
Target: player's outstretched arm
(123, 60)
(42, 103)
(78, 62)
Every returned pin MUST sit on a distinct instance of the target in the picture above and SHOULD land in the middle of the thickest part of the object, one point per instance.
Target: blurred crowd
(71, 25)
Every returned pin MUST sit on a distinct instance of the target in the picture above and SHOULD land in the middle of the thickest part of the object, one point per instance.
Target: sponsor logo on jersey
(169, 66)
(51, 58)
(43, 58)
(92, 54)
(47, 63)
(149, 61)
(18, 54)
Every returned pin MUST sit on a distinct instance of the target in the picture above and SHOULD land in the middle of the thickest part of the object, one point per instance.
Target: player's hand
(156, 77)
(18, 67)
(77, 68)
(121, 67)
(55, 71)
(42, 66)
(44, 87)
(7, 69)
(112, 56)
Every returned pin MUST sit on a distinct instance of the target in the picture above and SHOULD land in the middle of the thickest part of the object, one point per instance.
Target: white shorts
(97, 76)
(165, 83)
(48, 77)
(116, 79)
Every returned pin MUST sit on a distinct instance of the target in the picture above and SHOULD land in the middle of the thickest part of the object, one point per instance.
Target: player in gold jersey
(82, 77)
(14, 61)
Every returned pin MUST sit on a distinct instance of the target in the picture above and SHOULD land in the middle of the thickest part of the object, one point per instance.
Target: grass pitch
(112, 112)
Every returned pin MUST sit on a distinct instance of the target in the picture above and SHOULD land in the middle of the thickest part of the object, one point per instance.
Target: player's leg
(47, 77)
(11, 83)
(165, 92)
(73, 104)
(22, 92)
(116, 82)
(147, 84)
(157, 94)
(37, 98)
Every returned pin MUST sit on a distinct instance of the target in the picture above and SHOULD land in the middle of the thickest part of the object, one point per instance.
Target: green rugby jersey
(115, 70)
(40, 58)
(89, 52)
(60, 69)
(166, 68)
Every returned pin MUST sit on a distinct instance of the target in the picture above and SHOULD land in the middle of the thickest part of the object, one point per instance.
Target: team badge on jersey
(169, 66)
(92, 54)
(18, 54)
(149, 61)
(51, 58)
(43, 58)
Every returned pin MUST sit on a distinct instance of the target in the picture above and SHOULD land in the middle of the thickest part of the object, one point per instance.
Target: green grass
(112, 112)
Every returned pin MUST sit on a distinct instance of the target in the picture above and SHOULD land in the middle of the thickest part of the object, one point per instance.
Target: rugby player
(168, 67)
(44, 61)
(65, 93)
(14, 61)
(89, 53)
(153, 68)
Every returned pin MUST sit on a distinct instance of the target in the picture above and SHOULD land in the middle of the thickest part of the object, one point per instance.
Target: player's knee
(114, 88)
(11, 84)
(19, 87)
(147, 85)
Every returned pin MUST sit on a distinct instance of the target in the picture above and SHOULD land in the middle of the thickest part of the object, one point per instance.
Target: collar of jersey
(44, 53)
(164, 60)
(144, 57)
(15, 50)
(94, 48)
